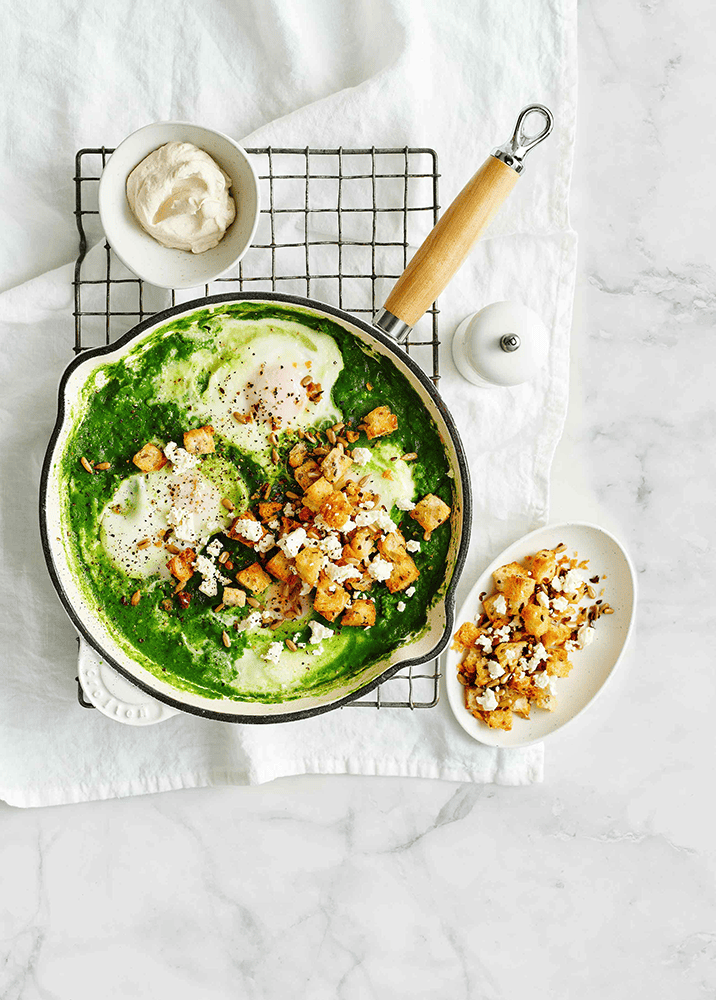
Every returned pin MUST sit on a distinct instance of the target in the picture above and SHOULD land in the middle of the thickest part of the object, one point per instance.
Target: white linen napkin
(375, 73)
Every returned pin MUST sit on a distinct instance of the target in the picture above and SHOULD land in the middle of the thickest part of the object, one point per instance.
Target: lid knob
(503, 344)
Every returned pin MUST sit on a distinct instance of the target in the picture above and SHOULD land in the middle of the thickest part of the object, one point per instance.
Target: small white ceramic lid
(503, 344)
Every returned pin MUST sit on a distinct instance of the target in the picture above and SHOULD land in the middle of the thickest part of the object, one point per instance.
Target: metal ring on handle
(512, 153)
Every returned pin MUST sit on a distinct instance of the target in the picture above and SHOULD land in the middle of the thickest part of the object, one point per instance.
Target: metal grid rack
(362, 207)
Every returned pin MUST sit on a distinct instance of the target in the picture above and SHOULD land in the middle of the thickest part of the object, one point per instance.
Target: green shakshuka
(257, 503)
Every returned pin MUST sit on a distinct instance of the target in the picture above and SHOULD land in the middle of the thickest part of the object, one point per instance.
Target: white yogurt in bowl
(181, 206)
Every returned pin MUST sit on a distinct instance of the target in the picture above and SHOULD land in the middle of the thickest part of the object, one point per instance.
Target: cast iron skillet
(431, 268)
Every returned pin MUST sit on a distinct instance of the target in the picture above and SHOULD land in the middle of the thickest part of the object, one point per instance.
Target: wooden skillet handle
(452, 239)
(449, 243)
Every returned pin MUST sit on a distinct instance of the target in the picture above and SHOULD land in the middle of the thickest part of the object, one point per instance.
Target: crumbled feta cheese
(573, 581)
(306, 588)
(367, 505)
(380, 569)
(319, 632)
(215, 548)
(209, 586)
(289, 510)
(181, 459)
(380, 518)
(539, 652)
(484, 642)
(556, 583)
(500, 605)
(487, 701)
(254, 620)
(410, 591)
(401, 606)
(405, 503)
(273, 653)
(331, 546)
(542, 680)
(266, 543)
(560, 604)
(348, 526)
(292, 543)
(511, 654)
(412, 545)
(361, 456)
(495, 668)
(206, 567)
(339, 574)
(251, 530)
(503, 633)
(542, 599)
(586, 636)
(275, 524)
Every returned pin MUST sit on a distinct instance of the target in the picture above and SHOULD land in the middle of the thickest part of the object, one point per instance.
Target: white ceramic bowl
(151, 261)
(592, 666)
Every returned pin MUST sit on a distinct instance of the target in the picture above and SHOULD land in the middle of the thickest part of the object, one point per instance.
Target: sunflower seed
(227, 503)
(86, 465)
(252, 602)
(292, 645)
(134, 600)
(225, 639)
(103, 466)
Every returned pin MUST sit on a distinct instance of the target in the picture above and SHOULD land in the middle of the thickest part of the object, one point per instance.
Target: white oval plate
(592, 666)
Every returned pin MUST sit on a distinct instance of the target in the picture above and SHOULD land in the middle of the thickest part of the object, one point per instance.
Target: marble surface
(600, 882)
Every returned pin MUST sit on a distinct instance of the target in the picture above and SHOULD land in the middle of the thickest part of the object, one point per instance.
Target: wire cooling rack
(336, 226)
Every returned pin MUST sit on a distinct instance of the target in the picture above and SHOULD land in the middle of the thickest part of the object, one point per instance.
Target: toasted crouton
(335, 509)
(254, 578)
(430, 513)
(297, 454)
(331, 598)
(508, 653)
(281, 567)
(335, 465)
(507, 572)
(379, 421)
(307, 473)
(200, 441)
(474, 666)
(500, 718)
(233, 597)
(317, 493)
(543, 565)
(513, 581)
(360, 613)
(308, 565)
(543, 698)
(269, 510)
(466, 634)
(362, 543)
(556, 634)
(180, 565)
(558, 664)
(149, 458)
(405, 572)
(536, 619)
(495, 607)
